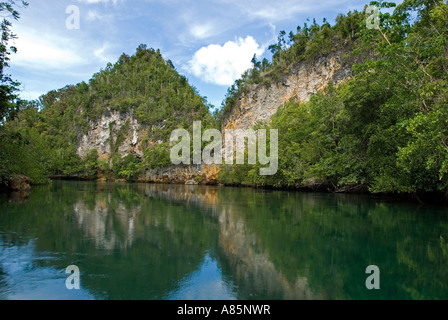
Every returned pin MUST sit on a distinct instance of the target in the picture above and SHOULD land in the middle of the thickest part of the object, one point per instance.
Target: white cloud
(222, 65)
(277, 13)
(202, 31)
(101, 54)
(94, 15)
(39, 53)
(196, 26)
(56, 54)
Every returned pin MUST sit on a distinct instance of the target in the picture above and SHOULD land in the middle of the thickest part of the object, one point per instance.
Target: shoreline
(427, 198)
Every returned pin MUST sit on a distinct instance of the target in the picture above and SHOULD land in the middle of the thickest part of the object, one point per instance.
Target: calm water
(134, 241)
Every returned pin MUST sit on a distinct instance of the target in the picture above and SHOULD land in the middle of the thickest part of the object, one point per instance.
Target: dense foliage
(386, 128)
(18, 153)
(347, 36)
(143, 85)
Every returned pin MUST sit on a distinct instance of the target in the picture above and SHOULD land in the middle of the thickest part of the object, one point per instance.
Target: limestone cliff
(194, 174)
(121, 132)
(304, 79)
(103, 135)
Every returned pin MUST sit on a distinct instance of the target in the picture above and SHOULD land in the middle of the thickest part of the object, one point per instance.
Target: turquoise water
(173, 242)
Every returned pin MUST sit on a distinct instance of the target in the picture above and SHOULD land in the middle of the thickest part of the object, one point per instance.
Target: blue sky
(211, 42)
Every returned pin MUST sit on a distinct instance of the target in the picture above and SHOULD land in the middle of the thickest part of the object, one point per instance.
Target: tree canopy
(383, 130)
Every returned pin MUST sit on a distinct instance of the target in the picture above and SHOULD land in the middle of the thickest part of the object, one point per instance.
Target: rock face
(20, 183)
(191, 175)
(123, 133)
(104, 132)
(261, 102)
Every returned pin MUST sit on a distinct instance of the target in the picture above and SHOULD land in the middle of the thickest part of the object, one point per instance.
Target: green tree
(384, 130)
(8, 87)
(91, 164)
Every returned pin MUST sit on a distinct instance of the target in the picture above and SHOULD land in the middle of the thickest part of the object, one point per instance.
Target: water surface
(157, 242)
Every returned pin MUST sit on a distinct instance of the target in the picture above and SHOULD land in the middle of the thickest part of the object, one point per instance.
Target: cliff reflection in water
(142, 241)
(107, 219)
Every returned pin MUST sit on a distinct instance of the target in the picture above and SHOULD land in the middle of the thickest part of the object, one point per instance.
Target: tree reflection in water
(142, 241)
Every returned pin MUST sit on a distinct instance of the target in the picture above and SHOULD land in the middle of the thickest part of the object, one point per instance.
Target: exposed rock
(261, 102)
(198, 174)
(20, 183)
(103, 135)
